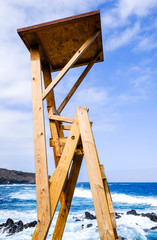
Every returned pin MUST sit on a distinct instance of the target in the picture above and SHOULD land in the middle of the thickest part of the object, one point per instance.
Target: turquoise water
(19, 203)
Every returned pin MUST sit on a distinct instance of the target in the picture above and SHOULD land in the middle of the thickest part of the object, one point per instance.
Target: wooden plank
(70, 63)
(61, 118)
(66, 127)
(66, 198)
(42, 186)
(58, 21)
(50, 99)
(58, 179)
(76, 85)
(109, 200)
(61, 141)
(61, 38)
(59, 176)
(99, 198)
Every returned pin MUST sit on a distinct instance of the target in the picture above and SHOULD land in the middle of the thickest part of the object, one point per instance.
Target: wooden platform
(60, 39)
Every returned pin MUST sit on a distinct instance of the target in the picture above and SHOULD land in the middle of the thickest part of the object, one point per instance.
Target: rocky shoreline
(151, 216)
(16, 177)
(11, 227)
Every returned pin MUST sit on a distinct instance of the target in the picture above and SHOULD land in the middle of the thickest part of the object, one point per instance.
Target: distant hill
(12, 176)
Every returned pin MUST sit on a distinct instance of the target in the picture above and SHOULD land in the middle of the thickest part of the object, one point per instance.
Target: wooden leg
(50, 99)
(99, 198)
(59, 176)
(109, 200)
(67, 195)
(42, 185)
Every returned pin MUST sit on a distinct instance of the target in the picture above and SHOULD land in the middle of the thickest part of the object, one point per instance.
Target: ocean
(19, 203)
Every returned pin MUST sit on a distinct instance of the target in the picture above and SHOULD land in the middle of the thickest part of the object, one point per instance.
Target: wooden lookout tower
(58, 46)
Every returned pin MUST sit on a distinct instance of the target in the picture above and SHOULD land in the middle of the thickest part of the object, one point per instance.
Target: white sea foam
(119, 197)
(82, 193)
(123, 198)
(25, 216)
(132, 227)
(24, 195)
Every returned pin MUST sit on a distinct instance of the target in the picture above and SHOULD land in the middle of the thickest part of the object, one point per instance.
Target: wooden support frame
(68, 151)
(72, 154)
(65, 186)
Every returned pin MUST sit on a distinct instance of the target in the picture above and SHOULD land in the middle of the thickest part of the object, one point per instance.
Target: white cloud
(119, 15)
(97, 96)
(122, 39)
(147, 44)
(139, 8)
(122, 16)
(15, 78)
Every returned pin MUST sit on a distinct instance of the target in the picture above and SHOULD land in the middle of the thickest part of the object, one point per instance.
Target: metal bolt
(73, 137)
(42, 221)
(39, 230)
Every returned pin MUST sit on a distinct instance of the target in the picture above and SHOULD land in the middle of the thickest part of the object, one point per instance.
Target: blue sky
(121, 92)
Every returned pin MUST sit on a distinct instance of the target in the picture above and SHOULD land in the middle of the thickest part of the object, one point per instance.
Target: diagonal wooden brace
(59, 176)
(67, 195)
(71, 62)
(78, 82)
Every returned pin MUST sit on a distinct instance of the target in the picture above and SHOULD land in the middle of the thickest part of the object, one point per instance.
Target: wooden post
(99, 198)
(67, 195)
(78, 48)
(50, 99)
(109, 200)
(42, 186)
(58, 178)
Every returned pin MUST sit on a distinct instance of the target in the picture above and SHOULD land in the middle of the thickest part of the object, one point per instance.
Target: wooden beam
(70, 64)
(60, 118)
(61, 141)
(66, 198)
(42, 185)
(109, 201)
(76, 85)
(47, 81)
(50, 99)
(99, 198)
(59, 176)
(66, 127)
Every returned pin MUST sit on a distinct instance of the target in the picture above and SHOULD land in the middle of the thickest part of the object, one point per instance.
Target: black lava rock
(77, 220)
(11, 227)
(89, 216)
(117, 215)
(133, 212)
(151, 216)
(154, 228)
(9, 222)
(89, 225)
